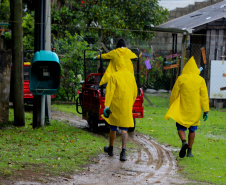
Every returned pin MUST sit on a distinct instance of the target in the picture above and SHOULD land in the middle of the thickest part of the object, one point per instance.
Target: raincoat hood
(189, 97)
(191, 67)
(120, 58)
(120, 63)
(125, 52)
(121, 51)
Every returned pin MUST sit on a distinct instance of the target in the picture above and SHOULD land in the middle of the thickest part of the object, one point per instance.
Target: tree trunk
(17, 59)
(5, 64)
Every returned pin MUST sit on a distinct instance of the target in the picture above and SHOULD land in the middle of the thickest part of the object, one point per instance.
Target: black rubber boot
(123, 155)
(189, 154)
(183, 149)
(109, 150)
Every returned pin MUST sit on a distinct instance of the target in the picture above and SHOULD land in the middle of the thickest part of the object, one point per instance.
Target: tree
(29, 5)
(5, 10)
(28, 31)
(71, 18)
(70, 49)
(63, 19)
(85, 16)
(110, 15)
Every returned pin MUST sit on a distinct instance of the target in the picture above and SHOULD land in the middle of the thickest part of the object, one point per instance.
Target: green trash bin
(45, 72)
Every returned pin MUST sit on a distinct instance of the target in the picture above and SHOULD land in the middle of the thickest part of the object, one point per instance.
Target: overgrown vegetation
(75, 26)
(5, 9)
(71, 50)
(28, 30)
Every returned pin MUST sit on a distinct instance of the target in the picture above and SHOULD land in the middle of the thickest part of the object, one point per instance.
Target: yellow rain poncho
(121, 93)
(115, 56)
(189, 96)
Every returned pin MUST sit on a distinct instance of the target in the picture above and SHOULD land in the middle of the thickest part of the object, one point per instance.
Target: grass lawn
(56, 149)
(60, 149)
(67, 108)
(209, 149)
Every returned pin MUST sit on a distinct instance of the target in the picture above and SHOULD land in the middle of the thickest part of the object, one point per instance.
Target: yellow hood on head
(189, 97)
(120, 58)
(191, 67)
(121, 51)
(125, 52)
(120, 63)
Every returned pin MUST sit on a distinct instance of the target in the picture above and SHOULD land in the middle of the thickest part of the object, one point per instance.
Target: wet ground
(151, 163)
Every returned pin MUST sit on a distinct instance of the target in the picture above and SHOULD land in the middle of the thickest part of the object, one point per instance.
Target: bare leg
(124, 141)
(184, 146)
(124, 138)
(112, 137)
(191, 138)
(182, 135)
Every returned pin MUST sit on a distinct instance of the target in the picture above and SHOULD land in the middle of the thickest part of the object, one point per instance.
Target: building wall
(215, 43)
(164, 41)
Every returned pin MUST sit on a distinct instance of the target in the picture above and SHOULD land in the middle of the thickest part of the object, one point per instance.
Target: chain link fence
(209, 53)
(162, 58)
(158, 61)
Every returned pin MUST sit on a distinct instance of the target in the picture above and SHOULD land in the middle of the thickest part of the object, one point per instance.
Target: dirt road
(150, 164)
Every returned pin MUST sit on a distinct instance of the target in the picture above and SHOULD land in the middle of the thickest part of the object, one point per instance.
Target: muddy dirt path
(150, 164)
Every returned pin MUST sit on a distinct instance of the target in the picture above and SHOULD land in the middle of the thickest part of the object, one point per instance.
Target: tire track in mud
(157, 155)
(151, 163)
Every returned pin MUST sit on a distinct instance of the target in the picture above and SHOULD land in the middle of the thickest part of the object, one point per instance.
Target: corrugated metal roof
(198, 18)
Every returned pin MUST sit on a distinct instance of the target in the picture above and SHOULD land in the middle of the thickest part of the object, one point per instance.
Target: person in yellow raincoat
(120, 53)
(121, 93)
(189, 97)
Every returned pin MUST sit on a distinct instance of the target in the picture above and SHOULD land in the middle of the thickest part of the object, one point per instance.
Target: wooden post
(203, 55)
(183, 52)
(17, 59)
(99, 44)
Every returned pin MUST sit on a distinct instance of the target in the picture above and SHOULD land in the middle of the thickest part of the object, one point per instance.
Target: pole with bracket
(48, 48)
(39, 101)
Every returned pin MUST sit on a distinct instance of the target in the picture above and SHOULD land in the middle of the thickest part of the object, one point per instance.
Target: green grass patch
(209, 149)
(57, 149)
(60, 149)
(67, 108)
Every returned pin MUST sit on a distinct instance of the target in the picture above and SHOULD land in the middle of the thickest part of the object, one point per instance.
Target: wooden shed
(206, 41)
(207, 28)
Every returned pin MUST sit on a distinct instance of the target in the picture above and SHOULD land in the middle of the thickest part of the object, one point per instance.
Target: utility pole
(40, 20)
(48, 48)
(42, 103)
(17, 59)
